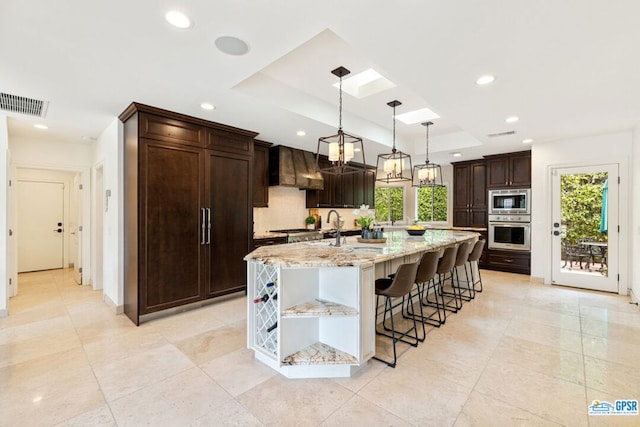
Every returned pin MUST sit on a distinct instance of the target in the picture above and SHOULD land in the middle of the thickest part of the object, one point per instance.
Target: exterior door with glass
(585, 227)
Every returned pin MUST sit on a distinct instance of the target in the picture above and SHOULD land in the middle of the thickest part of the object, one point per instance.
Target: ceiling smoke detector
(21, 105)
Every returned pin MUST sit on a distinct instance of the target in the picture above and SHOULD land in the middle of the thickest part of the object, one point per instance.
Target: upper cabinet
(343, 191)
(261, 174)
(470, 194)
(509, 170)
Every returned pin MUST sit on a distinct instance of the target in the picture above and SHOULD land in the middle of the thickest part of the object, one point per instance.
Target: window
(432, 203)
(389, 203)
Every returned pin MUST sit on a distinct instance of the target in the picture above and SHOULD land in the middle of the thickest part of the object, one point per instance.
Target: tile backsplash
(287, 210)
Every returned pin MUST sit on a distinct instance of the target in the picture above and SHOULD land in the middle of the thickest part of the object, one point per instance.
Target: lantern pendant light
(341, 146)
(429, 174)
(394, 167)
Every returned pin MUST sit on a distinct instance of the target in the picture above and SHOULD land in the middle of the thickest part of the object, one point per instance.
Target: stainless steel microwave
(510, 201)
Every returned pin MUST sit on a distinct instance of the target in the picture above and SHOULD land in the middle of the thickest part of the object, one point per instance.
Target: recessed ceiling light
(485, 80)
(456, 154)
(512, 119)
(39, 126)
(527, 141)
(231, 45)
(301, 133)
(178, 19)
(207, 106)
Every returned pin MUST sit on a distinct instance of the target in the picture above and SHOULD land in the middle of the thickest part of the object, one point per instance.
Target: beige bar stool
(399, 286)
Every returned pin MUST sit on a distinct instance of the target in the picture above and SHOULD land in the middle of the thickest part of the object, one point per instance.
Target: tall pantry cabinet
(187, 209)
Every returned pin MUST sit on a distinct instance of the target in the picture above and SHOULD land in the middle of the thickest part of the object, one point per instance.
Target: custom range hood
(294, 168)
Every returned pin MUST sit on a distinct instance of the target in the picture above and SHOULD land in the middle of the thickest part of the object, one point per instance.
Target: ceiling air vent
(505, 133)
(22, 105)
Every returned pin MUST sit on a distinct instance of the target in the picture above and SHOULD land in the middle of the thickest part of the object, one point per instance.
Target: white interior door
(40, 225)
(585, 227)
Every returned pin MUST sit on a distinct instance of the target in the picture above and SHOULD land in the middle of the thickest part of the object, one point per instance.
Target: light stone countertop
(320, 254)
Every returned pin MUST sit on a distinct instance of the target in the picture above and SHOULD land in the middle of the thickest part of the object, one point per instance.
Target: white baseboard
(634, 298)
(4, 312)
(117, 309)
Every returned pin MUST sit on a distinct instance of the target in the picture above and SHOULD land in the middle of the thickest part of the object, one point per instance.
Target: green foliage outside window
(389, 203)
(428, 211)
(581, 203)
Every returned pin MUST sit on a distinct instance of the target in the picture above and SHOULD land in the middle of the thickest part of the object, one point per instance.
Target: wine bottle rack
(266, 313)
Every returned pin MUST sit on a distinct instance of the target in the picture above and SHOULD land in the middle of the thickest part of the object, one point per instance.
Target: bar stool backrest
(475, 254)
(428, 266)
(403, 281)
(463, 254)
(448, 260)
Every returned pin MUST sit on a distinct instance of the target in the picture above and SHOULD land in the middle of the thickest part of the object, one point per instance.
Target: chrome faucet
(337, 244)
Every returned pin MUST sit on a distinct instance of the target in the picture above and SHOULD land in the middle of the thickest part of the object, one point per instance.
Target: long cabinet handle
(202, 227)
(208, 226)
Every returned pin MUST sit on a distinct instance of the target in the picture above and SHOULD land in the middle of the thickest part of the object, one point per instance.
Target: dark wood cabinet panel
(470, 194)
(230, 221)
(498, 172)
(171, 183)
(343, 191)
(370, 187)
(175, 188)
(521, 170)
(269, 241)
(221, 140)
(511, 261)
(171, 130)
(261, 174)
(509, 170)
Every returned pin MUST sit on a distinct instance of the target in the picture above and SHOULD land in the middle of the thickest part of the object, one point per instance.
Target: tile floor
(521, 353)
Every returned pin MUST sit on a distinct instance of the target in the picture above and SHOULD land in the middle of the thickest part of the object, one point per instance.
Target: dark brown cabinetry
(511, 261)
(269, 241)
(261, 174)
(343, 191)
(187, 207)
(469, 194)
(509, 170)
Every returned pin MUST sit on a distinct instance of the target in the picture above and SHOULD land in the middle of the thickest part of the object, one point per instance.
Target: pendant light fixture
(395, 166)
(341, 146)
(429, 174)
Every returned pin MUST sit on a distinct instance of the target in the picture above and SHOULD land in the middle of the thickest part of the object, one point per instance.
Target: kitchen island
(311, 306)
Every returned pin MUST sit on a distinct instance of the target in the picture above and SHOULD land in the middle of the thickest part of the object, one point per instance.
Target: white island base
(315, 315)
(322, 317)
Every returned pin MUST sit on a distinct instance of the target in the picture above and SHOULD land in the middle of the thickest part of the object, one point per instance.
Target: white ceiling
(566, 67)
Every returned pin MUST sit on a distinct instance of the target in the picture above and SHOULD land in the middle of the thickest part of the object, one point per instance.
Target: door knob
(556, 233)
(556, 225)
(59, 230)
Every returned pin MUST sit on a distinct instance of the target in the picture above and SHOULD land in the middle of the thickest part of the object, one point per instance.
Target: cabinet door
(171, 183)
(348, 190)
(521, 171)
(461, 190)
(229, 201)
(359, 188)
(261, 176)
(461, 217)
(171, 130)
(370, 188)
(477, 218)
(498, 172)
(478, 196)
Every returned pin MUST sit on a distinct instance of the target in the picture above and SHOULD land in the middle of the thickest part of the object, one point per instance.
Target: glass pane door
(585, 227)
